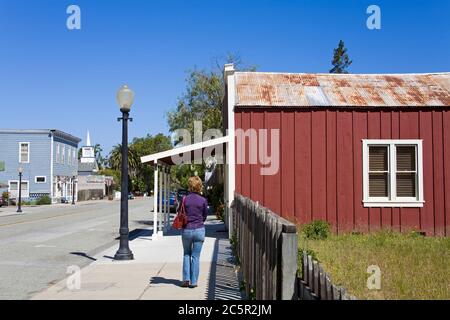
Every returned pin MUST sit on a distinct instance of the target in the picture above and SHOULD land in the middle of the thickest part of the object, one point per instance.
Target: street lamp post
(73, 190)
(19, 205)
(125, 98)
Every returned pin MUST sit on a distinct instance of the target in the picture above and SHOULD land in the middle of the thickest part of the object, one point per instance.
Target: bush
(5, 196)
(316, 230)
(44, 200)
(220, 212)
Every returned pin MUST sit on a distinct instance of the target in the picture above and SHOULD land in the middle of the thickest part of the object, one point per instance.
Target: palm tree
(115, 159)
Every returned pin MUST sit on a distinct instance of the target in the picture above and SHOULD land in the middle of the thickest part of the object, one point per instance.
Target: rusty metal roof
(259, 89)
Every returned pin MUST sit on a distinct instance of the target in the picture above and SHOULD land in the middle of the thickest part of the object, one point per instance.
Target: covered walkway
(162, 162)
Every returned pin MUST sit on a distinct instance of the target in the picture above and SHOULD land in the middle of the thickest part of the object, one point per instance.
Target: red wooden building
(363, 152)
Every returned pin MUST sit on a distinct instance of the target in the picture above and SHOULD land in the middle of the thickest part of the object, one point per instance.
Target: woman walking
(193, 235)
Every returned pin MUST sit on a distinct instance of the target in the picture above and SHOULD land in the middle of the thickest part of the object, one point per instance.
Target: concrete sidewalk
(155, 272)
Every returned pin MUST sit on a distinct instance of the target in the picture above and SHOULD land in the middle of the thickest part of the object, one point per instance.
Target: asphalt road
(36, 248)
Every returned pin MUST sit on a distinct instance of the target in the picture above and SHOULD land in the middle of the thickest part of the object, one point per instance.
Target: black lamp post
(19, 204)
(73, 190)
(125, 98)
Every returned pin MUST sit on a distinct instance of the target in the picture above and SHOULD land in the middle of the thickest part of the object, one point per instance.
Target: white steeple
(88, 140)
(87, 152)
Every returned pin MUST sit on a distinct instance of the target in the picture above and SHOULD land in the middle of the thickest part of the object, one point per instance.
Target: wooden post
(328, 287)
(322, 284)
(310, 273)
(288, 265)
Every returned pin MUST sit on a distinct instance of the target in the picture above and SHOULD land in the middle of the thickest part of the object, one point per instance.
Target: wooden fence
(266, 246)
(315, 283)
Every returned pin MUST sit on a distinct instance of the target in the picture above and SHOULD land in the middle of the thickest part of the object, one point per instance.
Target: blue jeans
(192, 246)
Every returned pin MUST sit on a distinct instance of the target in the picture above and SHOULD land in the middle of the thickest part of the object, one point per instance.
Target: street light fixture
(125, 98)
(19, 205)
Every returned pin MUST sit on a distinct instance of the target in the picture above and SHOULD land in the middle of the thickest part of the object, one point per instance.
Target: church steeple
(88, 140)
(88, 152)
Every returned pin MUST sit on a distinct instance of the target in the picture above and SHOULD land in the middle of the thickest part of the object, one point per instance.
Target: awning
(166, 156)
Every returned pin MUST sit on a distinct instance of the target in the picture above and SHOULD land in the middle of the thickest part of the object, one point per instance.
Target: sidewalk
(155, 272)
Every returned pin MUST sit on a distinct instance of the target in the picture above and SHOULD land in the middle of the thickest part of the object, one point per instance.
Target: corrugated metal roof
(259, 89)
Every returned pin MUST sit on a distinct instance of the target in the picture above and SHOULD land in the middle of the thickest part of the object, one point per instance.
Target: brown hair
(195, 184)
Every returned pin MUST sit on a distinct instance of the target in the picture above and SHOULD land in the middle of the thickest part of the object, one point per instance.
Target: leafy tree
(140, 176)
(143, 180)
(202, 101)
(341, 61)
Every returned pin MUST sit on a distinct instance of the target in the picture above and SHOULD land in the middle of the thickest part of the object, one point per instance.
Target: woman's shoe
(185, 284)
(192, 286)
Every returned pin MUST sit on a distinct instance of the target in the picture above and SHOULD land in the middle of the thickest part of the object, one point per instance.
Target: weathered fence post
(267, 251)
(289, 251)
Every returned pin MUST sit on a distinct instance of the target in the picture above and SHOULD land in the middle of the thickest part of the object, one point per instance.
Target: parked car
(181, 193)
(173, 203)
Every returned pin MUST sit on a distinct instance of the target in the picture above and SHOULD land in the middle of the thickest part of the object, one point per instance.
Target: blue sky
(51, 77)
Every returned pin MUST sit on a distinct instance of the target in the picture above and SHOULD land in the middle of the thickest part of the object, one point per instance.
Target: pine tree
(341, 61)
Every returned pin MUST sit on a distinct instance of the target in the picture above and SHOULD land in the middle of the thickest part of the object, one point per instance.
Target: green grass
(412, 266)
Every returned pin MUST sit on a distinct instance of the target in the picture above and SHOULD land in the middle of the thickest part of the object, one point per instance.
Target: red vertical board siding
(331, 170)
(287, 165)
(238, 170)
(426, 134)
(386, 133)
(446, 133)
(256, 179)
(409, 129)
(395, 131)
(245, 167)
(345, 171)
(302, 167)
(320, 174)
(272, 183)
(438, 168)
(359, 133)
(319, 166)
(374, 132)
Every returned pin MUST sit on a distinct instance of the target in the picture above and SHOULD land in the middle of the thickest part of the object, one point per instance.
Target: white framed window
(13, 188)
(40, 179)
(24, 152)
(69, 156)
(392, 173)
(63, 154)
(58, 152)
